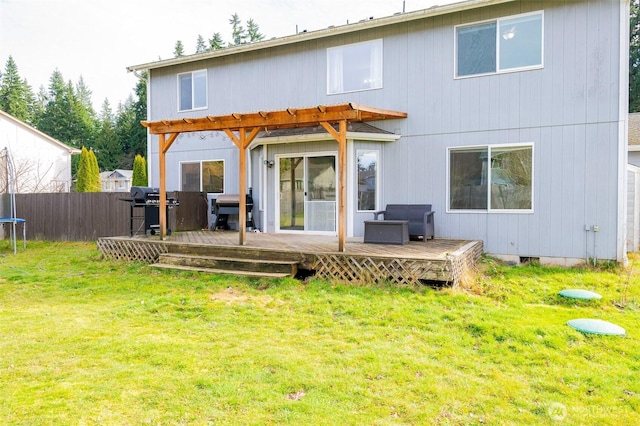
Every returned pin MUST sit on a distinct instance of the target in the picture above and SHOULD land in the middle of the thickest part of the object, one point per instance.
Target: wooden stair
(241, 266)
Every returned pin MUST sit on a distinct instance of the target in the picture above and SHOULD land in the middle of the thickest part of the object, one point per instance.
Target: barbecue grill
(148, 199)
(229, 204)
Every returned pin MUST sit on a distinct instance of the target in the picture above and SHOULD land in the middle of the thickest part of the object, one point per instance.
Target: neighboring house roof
(117, 174)
(327, 32)
(38, 133)
(634, 131)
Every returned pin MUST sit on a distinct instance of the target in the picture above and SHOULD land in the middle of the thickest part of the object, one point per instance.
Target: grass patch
(89, 341)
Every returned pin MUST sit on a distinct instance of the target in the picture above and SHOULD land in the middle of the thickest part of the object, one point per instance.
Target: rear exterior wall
(570, 110)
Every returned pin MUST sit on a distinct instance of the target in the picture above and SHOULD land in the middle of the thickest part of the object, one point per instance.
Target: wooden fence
(89, 216)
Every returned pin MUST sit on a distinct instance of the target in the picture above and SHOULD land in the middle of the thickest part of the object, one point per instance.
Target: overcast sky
(98, 39)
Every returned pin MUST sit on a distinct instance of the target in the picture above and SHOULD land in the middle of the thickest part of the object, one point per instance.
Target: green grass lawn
(87, 341)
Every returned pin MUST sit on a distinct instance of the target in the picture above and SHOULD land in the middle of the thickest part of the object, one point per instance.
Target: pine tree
(253, 31)
(16, 96)
(107, 142)
(65, 117)
(201, 46)
(216, 42)
(178, 49)
(238, 33)
(139, 172)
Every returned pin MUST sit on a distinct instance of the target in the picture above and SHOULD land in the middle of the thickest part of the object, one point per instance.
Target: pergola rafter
(242, 129)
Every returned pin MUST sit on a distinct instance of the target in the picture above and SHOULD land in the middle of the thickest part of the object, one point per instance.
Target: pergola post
(163, 187)
(242, 141)
(164, 145)
(341, 137)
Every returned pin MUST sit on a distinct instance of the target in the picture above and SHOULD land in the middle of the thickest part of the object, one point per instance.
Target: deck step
(249, 274)
(257, 266)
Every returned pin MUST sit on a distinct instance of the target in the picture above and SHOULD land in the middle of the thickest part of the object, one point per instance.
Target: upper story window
(354, 67)
(493, 178)
(192, 90)
(502, 45)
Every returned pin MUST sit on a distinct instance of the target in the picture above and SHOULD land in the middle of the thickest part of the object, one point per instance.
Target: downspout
(623, 130)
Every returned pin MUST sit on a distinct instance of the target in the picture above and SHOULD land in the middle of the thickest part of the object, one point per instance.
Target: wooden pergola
(242, 130)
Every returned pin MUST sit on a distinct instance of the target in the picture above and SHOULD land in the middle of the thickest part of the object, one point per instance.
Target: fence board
(89, 216)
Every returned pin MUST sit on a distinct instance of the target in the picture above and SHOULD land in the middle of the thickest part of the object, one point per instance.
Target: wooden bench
(386, 231)
(420, 220)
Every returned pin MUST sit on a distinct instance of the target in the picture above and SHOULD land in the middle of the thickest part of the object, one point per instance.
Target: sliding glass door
(307, 189)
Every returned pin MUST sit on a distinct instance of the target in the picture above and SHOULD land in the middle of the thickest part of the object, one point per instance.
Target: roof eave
(327, 32)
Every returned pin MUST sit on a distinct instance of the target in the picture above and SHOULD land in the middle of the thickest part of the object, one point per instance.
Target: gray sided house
(515, 128)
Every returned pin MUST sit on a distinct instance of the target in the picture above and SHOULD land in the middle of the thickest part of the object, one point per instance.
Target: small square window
(192, 90)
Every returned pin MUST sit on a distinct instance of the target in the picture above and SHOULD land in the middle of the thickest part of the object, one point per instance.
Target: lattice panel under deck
(131, 250)
(368, 269)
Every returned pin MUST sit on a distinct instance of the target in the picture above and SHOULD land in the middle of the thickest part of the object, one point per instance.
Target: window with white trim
(367, 164)
(203, 176)
(192, 90)
(494, 178)
(354, 67)
(502, 45)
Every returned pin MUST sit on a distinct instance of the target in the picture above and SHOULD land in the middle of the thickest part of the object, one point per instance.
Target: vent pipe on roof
(403, 4)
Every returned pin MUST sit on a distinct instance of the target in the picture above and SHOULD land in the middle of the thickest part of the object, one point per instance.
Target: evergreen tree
(216, 42)
(178, 49)
(83, 171)
(93, 177)
(109, 150)
(634, 57)
(253, 31)
(131, 135)
(65, 117)
(238, 33)
(16, 96)
(201, 46)
(88, 173)
(139, 172)
(84, 95)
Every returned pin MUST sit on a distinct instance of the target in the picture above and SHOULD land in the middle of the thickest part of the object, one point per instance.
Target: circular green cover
(595, 326)
(580, 294)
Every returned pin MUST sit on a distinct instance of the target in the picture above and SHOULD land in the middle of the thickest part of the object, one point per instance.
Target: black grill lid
(143, 192)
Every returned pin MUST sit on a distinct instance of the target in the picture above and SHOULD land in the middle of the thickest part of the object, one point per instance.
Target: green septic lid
(595, 326)
(580, 294)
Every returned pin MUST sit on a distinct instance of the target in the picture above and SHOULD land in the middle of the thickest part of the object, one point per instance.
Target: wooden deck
(434, 260)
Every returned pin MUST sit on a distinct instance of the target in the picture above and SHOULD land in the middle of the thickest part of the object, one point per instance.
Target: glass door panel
(292, 193)
(320, 204)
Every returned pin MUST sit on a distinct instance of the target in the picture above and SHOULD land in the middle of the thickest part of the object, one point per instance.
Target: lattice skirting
(371, 269)
(131, 250)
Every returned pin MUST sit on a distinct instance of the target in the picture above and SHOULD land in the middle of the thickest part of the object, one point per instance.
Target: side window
(192, 90)
(502, 45)
(354, 67)
(367, 164)
(203, 176)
